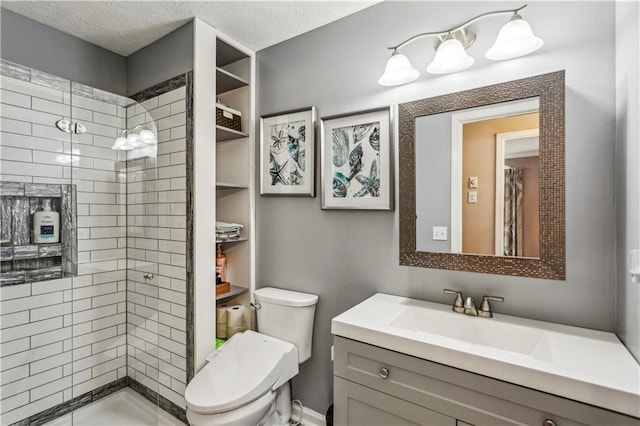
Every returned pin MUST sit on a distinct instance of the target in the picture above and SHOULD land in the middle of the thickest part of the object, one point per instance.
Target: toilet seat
(241, 371)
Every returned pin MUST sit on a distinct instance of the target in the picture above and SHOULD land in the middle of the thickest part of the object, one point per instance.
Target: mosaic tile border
(73, 404)
(550, 88)
(41, 78)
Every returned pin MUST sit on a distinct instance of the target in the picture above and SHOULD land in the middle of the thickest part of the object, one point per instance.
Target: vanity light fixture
(514, 39)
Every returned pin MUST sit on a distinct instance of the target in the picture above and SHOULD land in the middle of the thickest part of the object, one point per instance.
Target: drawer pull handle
(384, 372)
(548, 422)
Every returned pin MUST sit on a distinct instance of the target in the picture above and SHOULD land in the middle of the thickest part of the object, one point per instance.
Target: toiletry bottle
(46, 224)
(221, 264)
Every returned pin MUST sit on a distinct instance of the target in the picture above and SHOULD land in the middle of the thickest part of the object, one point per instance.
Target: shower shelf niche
(22, 261)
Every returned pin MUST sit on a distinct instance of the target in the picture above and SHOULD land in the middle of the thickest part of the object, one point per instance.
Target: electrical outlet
(440, 233)
(473, 182)
(472, 197)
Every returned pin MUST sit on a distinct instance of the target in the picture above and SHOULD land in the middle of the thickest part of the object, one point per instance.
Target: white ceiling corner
(125, 26)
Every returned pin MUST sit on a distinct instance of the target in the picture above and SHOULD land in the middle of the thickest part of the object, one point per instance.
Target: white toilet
(246, 382)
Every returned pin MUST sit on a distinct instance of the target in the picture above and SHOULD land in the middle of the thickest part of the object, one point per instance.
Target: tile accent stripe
(162, 402)
(73, 404)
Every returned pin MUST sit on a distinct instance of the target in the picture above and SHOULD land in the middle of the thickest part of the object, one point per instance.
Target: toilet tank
(287, 315)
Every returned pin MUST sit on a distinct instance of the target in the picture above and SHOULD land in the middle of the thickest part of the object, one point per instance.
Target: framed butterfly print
(287, 153)
(356, 160)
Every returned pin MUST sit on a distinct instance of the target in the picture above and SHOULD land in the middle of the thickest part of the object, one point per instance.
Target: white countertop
(581, 364)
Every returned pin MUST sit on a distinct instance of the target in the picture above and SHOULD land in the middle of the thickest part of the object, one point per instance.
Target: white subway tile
(81, 114)
(161, 112)
(92, 314)
(62, 359)
(100, 255)
(30, 355)
(50, 388)
(43, 339)
(109, 120)
(109, 277)
(17, 113)
(80, 329)
(15, 126)
(51, 286)
(13, 98)
(15, 154)
(14, 402)
(109, 299)
(24, 303)
(108, 366)
(14, 346)
(81, 376)
(56, 108)
(172, 96)
(113, 232)
(110, 321)
(14, 292)
(94, 383)
(14, 374)
(94, 105)
(169, 122)
(51, 311)
(51, 132)
(30, 329)
(106, 243)
(114, 342)
(172, 146)
(82, 281)
(172, 396)
(32, 408)
(94, 290)
(31, 169)
(11, 320)
(30, 89)
(93, 360)
(97, 267)
(147, 105)
(96, 198)
(31, 381)
(96, 336)
(178, 107)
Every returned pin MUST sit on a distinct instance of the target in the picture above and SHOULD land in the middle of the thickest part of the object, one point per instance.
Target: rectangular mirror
(482, 179)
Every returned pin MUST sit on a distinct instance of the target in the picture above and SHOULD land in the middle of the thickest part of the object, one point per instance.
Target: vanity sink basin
(467, 330)
(585, 365)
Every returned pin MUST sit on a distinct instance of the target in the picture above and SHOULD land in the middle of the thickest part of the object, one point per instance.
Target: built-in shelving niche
(22, 261)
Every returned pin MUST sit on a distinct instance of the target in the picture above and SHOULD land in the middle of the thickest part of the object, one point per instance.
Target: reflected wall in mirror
(482, 179)
(491, 155)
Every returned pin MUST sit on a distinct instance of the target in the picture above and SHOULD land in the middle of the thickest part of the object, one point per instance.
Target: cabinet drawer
(460, 394)
(356, 405)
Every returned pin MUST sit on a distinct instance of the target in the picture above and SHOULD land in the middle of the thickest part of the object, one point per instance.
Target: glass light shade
(147, 137)
(450, 57)
(398, 71)
(514, 39)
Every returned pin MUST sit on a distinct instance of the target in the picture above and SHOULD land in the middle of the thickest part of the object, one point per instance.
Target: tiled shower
(107, 306)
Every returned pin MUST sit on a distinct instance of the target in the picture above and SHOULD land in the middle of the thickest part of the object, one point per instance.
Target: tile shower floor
(122, 408)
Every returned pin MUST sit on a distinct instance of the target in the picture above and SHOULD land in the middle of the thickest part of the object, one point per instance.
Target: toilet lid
(246, 367)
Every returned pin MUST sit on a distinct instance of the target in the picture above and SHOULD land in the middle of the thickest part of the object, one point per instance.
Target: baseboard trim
(310, 417)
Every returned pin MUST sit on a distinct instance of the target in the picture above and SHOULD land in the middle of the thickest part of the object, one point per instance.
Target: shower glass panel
(94, 312)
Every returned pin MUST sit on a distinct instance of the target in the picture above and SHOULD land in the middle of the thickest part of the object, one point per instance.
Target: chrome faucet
(469, 307)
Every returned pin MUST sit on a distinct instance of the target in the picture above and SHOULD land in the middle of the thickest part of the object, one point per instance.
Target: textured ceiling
(126, 26)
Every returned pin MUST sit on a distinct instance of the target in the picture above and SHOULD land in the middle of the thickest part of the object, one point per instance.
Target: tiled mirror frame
(550, 88)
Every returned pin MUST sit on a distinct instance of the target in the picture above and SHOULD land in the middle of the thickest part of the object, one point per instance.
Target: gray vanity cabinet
(375, 386)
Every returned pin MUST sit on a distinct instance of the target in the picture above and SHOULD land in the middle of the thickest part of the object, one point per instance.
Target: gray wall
(163, 59)
(32, 44)
(346, 256)
(628, 174)
(433, 180)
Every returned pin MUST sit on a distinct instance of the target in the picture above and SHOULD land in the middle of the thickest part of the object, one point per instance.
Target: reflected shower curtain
(513, 216)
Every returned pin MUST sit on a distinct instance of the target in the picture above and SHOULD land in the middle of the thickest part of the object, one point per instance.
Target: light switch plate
(440, 233)
(472, 197)
(473, 182)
